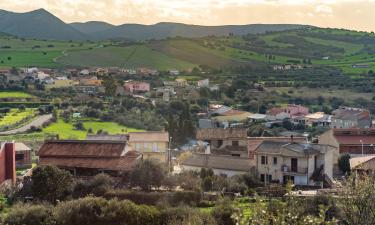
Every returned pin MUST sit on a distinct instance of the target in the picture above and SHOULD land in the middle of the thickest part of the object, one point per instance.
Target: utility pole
(169, 154)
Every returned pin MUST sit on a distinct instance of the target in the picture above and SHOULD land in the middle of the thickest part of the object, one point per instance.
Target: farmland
(15, 117)
(14, 94)
(67, 131)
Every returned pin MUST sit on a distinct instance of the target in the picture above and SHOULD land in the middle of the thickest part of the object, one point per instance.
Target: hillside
(38, 24)
(165, 30)
(91, 27)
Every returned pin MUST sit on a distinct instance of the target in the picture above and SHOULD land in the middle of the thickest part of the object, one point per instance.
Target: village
(223, 140)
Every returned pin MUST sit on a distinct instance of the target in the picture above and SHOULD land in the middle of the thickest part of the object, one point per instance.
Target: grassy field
(15, 116)
(23, 52)
(131, 57)
(14, 94)
(67, 130)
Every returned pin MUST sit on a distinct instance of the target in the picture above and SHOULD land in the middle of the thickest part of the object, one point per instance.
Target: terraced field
(15, 117)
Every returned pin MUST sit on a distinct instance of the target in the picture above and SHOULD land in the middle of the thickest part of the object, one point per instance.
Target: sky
(350, 14)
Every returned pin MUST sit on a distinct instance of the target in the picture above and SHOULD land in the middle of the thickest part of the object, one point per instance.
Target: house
(354, 141)
(233, 118)
(89, 157)
(258, 117)
(218, 109)
(136, 87)
(207, 123)
(363, 165)
(296, 110)
(319, 119)
(203, 83)
(174, 72)
(90, 85)
(347, 117)
(152, 144)
(179, 82)
(300, 163)
(276, 114)
(220, 138)
(254, 142)
(220, 164)
(7, 163)
(84, 72)
(23, 155)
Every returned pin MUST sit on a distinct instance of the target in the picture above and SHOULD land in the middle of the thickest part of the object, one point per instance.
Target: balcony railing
(289, 169)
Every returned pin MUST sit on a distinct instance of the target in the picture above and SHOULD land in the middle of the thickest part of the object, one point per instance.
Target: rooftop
(221, 133)
(218, 162)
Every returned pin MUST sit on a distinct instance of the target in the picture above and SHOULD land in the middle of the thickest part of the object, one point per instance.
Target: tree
(110, 86)
(50, 183)
(357, 200)
(79, 126)
(344, 163)
(147, 174)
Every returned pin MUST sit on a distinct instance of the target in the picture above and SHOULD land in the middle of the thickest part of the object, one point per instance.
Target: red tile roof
(355, 140)
(150, 136)
(106, 155)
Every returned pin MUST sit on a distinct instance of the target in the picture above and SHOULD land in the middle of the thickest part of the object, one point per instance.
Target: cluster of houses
(343, 117)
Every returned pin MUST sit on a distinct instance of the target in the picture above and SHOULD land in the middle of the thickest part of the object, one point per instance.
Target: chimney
(10, 162)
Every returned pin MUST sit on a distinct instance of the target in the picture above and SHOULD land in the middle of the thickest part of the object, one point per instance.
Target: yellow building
(152, 144)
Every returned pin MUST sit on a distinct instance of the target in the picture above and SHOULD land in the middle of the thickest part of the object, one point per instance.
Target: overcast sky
(351, 14)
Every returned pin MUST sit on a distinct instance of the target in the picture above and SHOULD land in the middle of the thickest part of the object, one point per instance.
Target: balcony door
(294, 165)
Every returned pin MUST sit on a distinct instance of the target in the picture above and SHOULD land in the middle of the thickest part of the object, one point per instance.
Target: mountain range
(41, 24)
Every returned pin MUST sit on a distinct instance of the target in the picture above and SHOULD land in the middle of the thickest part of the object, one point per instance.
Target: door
(294, 165)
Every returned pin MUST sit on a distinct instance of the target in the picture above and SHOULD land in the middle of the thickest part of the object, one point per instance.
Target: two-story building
(300, 163)
(348, 117)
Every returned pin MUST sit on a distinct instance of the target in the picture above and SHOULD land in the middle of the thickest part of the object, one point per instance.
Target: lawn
(131, 57)
(67, 130)
(15, 116)
(28, 58)
(14, 94)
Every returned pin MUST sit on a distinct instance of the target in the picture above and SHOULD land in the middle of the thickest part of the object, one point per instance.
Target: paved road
(36, 123)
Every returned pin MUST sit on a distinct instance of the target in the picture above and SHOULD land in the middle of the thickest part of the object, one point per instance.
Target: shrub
(186, 197)
(344, 163)
(223, 213)
(151, 198)
(26, 214)
(185, 215)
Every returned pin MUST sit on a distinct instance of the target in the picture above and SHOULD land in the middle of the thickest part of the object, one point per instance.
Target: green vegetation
(14, 94)
(16, 116)
(131, 57)
(68, 131)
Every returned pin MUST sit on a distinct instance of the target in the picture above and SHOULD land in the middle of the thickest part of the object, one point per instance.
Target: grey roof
(218, 162)
(303, 148)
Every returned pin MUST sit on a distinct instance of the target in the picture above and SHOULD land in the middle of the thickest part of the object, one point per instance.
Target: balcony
(289, 169)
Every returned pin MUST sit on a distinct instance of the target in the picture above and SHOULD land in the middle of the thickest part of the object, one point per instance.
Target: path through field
(36, 123)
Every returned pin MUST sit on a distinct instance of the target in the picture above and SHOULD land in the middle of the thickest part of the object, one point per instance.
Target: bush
(187, 197)
(223, 213)
(98, 211)
(26, 214)
(185, 215)
(148, 198)
(97, 186)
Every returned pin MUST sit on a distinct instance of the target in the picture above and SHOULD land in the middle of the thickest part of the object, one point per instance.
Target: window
(235, 143)
(274, 160)
(264, 160)
(19, 157)
(269, 178)
(137, 147)
(262, 177)
(155, 147)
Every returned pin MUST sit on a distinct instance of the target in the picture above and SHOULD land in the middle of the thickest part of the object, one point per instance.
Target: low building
(319, 119)
(7, 163)
(300, 163)
(348, 117)
(221, 138)
(89, 157)
(220, 164)
(136, 87)
(152, 144)
(203, 83)
(353, 141)
(363, 165)
(23, 155)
